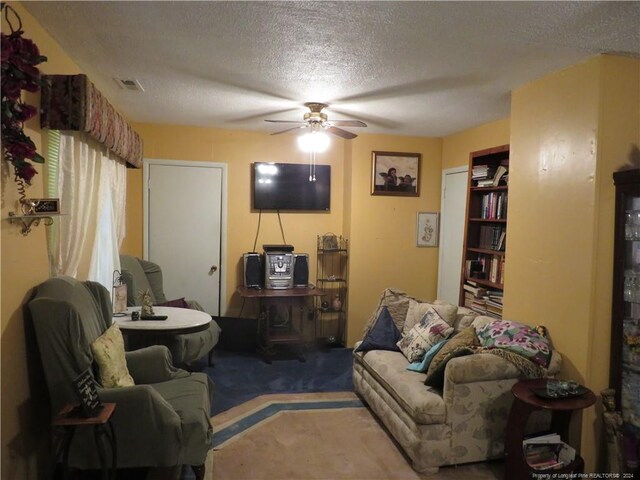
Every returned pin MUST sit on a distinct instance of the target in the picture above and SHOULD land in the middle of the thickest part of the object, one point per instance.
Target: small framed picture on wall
(427, 229)
(396, 174)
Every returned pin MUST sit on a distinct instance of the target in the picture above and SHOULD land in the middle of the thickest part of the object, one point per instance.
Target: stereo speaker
(253, 271)
(300, 269)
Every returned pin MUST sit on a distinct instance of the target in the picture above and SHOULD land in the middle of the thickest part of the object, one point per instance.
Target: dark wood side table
(269, 334)
(64, 426)
(526, 402)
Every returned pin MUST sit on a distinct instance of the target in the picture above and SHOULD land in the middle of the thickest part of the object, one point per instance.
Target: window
(91, 184)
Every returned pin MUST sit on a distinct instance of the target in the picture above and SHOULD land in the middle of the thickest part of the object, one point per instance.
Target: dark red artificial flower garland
(19, 59)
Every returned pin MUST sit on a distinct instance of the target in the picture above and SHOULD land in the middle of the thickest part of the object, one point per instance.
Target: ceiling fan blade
(299, 122)
(347, 123)
(259, 115)
(371, 120)
(341, 133)
(288, 130)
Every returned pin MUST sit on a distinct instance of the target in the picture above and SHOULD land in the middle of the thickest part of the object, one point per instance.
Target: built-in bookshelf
(484, 256)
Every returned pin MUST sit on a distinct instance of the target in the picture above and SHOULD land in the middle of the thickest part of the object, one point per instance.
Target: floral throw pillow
(518, 338)
(425, 334)
(108, 351)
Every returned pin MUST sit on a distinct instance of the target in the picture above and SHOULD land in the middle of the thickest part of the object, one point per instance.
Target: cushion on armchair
(108, 352)
(177, 303)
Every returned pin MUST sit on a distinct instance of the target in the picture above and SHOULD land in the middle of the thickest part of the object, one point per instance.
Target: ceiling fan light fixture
(314, 142)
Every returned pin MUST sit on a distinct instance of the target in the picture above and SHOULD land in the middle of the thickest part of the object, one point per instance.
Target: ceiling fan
(315, 120)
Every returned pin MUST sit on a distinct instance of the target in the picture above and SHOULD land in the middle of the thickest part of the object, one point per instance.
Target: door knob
(213, 269)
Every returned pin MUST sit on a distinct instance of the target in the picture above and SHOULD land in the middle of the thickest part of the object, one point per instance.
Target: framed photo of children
(396, 174)
(427, 229)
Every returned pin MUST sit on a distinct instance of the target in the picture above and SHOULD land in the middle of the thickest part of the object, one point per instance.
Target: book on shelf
(494, 206)
(547, 451)
(476, 291)
(488, 177)
(481, 172)
(501, 170)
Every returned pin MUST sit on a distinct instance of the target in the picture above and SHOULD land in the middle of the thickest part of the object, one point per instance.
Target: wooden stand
(64, 425)
(271, 334)
(526, 402)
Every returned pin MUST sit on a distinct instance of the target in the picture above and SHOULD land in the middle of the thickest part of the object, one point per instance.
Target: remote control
(153, 317)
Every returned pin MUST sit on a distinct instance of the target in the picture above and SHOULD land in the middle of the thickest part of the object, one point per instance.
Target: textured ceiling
(409, 68)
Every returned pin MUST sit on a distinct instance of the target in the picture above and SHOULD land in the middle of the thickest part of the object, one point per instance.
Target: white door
(454, 199)
(184, 234)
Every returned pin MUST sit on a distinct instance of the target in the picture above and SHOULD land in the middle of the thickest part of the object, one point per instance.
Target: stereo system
(277, 268)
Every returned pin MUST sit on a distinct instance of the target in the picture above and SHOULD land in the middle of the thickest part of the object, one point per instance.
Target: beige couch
(465, 422)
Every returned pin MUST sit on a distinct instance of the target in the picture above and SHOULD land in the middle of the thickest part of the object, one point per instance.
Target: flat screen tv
(287, 186)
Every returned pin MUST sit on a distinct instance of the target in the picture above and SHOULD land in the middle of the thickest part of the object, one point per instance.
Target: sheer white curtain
(91, 185)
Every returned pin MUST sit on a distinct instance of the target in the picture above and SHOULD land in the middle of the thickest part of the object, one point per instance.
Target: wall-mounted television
(287, 186)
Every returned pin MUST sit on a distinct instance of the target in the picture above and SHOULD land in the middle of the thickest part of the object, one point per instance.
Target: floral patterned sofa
(462, 419)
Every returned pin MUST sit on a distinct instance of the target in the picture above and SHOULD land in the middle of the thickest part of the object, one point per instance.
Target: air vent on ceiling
(129, 84)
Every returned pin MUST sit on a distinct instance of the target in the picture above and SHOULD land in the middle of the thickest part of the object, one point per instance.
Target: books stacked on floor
(547, 452)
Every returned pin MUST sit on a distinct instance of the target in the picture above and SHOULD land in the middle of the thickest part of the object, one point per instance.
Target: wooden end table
(526, 402)
(269, 336)
(65, 424)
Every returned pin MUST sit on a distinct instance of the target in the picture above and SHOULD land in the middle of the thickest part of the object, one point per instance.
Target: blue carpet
(239, 376)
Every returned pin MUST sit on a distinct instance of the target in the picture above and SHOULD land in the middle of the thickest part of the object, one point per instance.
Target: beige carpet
(319, 436)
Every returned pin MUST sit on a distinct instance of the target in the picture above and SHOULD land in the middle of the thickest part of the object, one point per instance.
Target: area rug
(317, 436)
(239, 376)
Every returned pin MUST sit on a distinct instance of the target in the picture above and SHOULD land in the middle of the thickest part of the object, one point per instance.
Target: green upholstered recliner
(161, 421)
(141, 275)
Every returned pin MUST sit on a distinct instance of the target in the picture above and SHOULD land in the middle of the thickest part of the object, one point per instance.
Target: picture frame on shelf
(427, 229)
(395, 174)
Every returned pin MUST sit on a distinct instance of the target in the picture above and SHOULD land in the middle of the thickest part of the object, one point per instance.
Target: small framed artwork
(40, 206)
(427, 229)
(396, 174)
(87, 393)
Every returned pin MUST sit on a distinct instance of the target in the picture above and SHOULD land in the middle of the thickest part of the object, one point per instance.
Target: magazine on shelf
(547, 451)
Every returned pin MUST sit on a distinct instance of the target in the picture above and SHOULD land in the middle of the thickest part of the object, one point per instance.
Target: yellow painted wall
(238, 150)
(569, 131)
(25, 414)
(383, 229)
(373, 224)
(456, 147)
(565, 144)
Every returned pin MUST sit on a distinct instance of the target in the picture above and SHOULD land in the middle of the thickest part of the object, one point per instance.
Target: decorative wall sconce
(33, 211)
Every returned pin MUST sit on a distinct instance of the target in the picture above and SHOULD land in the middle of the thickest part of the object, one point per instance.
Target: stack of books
(482, 172)
(547, 452)
(494, 303)
(475, 297)
(494, 180)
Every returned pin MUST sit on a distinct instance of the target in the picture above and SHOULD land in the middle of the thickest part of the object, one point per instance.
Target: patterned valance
(72, 102)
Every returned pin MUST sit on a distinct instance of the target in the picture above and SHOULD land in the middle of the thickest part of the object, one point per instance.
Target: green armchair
(161, 421)
(141, 275)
